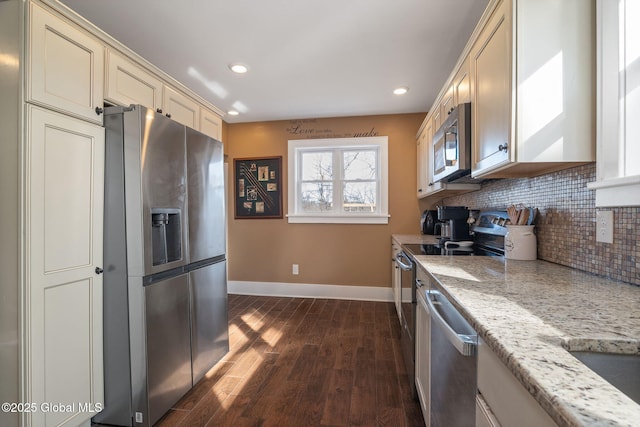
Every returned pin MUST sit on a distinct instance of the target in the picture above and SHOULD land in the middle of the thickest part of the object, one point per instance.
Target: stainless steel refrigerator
(165, 290)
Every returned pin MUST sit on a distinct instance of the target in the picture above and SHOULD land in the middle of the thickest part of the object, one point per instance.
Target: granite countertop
(530, 312)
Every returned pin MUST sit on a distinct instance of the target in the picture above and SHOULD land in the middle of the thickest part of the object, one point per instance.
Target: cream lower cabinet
(396, 283)
(65, 66)
(64, 208)
(503, 397)
(532, 89)
(126, 83)
(423, 346)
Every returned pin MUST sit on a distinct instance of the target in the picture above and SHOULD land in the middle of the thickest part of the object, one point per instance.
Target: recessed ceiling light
(238, 68)
(401, 90)
(232, 112)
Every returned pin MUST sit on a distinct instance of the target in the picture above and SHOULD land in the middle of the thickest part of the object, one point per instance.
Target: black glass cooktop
(451, 249)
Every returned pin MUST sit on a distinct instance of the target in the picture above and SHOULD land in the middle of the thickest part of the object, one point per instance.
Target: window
(340, 180)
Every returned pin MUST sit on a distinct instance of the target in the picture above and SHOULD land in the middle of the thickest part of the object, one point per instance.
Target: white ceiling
(306, 59)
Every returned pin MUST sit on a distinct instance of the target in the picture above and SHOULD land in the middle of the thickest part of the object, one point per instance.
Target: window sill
(617, 191)
(338, 219)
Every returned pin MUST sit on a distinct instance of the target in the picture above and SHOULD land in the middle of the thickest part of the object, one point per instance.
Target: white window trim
(381, 142)
(613, 186)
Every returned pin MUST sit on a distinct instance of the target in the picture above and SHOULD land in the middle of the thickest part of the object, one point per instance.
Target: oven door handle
(405, 266)
(465, 344)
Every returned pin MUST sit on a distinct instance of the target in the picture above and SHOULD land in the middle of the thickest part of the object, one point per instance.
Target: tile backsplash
(566, 221)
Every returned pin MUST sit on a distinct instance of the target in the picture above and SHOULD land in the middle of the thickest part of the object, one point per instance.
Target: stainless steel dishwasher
(453, 364)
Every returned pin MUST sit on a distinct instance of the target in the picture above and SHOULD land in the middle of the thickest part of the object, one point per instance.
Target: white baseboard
(304, 290)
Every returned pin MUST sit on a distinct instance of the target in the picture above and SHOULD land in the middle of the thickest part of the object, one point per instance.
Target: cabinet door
(66, 66)
(491, 92)
(461, 86)
(127, 83)
(447, 104)
(181, 108)
(422, 159)
(210, 124)
(395, 279)
(64, 212)
(423, 340)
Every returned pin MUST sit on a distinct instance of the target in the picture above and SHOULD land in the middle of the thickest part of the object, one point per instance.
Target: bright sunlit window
(338, 180)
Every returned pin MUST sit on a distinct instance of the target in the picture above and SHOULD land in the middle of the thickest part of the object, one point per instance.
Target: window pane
(360, 164)
(317, 166)
(360, 197)
(317, 197)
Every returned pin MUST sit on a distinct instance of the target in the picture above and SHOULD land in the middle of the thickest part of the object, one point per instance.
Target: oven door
(408, 305)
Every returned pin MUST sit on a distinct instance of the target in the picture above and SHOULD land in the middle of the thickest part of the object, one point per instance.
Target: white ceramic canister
(520, 242)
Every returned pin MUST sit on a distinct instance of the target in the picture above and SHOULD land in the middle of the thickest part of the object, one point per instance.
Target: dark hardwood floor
(304, 362)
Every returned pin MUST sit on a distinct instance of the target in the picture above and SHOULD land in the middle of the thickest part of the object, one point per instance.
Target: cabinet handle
(431, 184)
(99, 110)
(159, 110)
(503, 147)
(168, 115)
(419, 283)
(99, 270)
(419, 190)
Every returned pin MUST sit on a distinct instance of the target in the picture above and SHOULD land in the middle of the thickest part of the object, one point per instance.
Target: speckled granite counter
(528, 312)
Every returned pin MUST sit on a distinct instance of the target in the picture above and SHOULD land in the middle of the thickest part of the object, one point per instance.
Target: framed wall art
(258, 187)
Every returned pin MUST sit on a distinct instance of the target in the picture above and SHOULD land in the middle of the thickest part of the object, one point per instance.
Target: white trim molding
(311, 290)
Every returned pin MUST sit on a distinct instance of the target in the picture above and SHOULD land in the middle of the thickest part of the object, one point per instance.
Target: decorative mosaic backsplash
(566, 221)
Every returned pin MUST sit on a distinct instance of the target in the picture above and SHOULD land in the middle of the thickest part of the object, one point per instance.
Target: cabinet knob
(159, 110)
(99, 270)
(503, 147)
(168, 115)
(431, 184)
(99, 110)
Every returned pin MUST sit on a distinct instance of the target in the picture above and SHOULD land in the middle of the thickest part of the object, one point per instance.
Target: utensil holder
(520, 243)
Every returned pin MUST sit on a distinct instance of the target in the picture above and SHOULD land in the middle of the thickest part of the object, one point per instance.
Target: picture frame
(258, 187)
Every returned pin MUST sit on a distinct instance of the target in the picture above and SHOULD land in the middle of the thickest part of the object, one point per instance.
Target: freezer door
(205, 177)
(168, 346)
(209, 330)
(155, 185)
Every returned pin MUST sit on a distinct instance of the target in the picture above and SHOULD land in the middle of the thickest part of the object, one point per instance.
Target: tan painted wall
(263, 250)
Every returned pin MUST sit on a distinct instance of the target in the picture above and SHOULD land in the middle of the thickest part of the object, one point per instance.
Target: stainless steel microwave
(452, 145)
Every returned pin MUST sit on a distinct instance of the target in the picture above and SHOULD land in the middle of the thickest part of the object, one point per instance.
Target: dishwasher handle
(465, 344)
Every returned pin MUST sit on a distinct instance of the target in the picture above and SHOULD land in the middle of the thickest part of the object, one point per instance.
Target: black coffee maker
(457, 217)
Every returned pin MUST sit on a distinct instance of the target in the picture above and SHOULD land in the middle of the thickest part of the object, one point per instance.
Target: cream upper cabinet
(491, 70)
(66, 66)
(181, 108)
(447, 103)
(210, 124)
(461, 85)
(63, 289)
(423, 146)
(126, 83)
(531, 71)
(436, 118)
(618, 104)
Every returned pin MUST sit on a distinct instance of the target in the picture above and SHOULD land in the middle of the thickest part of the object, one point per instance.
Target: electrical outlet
(604, 226)
(294, 270)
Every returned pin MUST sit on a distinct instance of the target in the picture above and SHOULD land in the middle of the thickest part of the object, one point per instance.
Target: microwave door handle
(463, 343)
